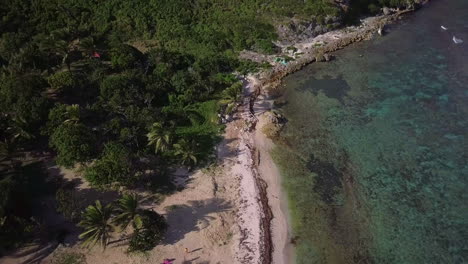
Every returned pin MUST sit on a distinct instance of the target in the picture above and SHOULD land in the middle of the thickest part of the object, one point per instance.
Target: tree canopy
(114, 166)
(73, 143)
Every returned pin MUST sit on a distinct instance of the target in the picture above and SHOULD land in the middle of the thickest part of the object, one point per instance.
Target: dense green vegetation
(21, 190)
(100, 221)
(124, 87)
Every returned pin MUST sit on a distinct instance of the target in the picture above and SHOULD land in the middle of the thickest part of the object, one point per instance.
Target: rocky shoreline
(342, 38)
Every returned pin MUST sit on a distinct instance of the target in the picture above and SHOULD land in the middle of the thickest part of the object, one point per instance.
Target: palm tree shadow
(41, 252)
(37, 250)
(190, 261)
(195, 216)
(52, 228)
(228, 150)
(65, 230)
(263, 105)
(181, 177)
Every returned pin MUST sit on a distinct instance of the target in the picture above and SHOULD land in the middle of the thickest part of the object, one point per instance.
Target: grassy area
(69, 258)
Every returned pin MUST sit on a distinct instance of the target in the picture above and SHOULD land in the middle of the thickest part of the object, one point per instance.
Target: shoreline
(283, 252)
(319, 48)
(275, 247)
(237, 210)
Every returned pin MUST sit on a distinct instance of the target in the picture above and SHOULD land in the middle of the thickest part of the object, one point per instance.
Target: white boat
(457, 40)
(444, 28)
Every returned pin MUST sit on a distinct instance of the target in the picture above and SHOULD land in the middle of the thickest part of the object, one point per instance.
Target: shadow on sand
(195, 216)
(53, 228)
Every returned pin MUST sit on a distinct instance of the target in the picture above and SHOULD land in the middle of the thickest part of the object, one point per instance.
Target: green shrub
(21, 98)
(73, 143)
(21, 190)
(114, 166)
(68, 204)
(69, 258)
(60, 114)
(121, 90)
(125, 57)
(62, 81)
(247, 66)
(152, 233)
(233, 92)
(266, 46)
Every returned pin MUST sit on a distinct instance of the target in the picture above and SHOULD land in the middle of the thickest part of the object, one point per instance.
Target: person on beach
(186, 250)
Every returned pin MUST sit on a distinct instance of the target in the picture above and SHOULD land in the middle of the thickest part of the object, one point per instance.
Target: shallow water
(374, 156)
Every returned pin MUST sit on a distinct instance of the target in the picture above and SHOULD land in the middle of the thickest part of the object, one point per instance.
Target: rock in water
(272, 123)
(319, 57)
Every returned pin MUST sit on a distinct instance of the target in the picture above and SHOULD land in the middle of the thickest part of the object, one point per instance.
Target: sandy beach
(283, 251)
(218, 215)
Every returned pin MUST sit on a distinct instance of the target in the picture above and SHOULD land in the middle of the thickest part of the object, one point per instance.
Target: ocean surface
(374, 157)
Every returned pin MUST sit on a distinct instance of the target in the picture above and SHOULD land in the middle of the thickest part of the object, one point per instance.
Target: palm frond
(97, 224)
(128, 208)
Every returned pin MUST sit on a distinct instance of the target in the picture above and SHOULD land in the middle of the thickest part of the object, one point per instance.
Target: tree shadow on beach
(262, 105)
(58, 228)
(228, 150)
(37, 199)
(87, 195)
(194, 216)
(33, 253)
(194, 260)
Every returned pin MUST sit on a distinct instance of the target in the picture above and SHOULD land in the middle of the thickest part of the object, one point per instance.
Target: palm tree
(7, 150)
(231, 96)
(57, 43)
(15, 134)
(128, 210)
(97, 224)
(185, 151)
(233, 93)
(17, 131)
(87, 46)
(72, 114)
(160, 139)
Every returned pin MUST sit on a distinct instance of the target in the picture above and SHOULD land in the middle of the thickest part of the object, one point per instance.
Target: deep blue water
(374, 156)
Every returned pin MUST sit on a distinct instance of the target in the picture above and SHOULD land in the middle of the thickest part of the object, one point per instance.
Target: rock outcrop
(298, 30)
(272, 123)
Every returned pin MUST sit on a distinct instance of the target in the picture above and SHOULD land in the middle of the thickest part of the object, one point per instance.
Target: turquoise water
(374, 156)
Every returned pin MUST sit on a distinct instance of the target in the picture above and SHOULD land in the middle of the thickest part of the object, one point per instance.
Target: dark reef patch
(329, 179)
